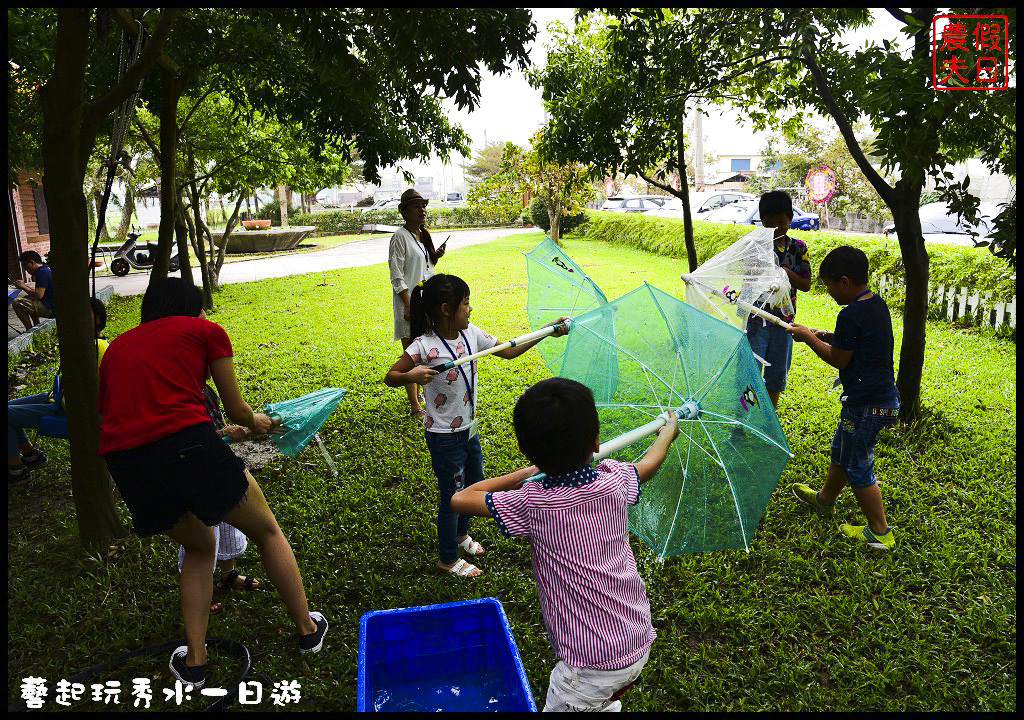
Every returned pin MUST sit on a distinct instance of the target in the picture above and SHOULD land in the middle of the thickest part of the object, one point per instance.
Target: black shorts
(191, 470)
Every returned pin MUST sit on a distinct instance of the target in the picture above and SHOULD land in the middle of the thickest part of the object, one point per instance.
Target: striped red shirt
(592, 598)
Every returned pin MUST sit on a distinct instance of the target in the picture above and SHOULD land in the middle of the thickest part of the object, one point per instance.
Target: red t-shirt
(152, 377)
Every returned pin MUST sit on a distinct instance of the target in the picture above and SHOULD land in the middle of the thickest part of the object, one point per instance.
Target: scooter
(129, 256)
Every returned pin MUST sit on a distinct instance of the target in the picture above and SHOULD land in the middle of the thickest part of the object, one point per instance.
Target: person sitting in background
(38, 301)
(26, 412)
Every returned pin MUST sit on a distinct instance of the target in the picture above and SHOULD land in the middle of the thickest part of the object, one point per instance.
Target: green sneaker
(808, 496)
(863, 534)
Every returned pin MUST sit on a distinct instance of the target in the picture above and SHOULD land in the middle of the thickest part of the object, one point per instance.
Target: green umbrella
(713, 487)
(558, 287)
(302, 418)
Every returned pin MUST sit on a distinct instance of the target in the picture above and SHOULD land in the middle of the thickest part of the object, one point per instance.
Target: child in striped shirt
(593, 600)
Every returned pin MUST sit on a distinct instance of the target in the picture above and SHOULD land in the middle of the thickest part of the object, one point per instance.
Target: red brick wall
(25, 214)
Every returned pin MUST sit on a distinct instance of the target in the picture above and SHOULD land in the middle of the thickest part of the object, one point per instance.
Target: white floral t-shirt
(451, 402)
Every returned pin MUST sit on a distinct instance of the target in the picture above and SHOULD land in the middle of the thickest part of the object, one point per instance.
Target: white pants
(574, 689)
(229, 541)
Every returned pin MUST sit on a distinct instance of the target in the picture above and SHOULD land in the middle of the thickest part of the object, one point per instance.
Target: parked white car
(387, 204)
(636, 203)
(938, 225)
(702, 203)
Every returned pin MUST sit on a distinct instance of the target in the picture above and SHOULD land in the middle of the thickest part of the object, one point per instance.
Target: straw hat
(410, 195)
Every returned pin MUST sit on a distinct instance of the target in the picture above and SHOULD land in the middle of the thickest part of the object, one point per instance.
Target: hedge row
(950, 265)
(343, 222)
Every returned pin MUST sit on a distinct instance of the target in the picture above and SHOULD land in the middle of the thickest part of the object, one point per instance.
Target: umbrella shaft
(616, 444)
(535, 335)
(745, 305)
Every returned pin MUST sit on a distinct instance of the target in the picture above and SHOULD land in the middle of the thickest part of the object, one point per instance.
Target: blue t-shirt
(44, 279)
(865, 327)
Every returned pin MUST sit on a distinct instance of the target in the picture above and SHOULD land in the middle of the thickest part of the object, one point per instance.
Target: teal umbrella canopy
(721, 471)
(556, 287)
(302, 417)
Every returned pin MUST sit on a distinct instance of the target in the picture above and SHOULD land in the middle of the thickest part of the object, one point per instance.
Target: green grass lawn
(804, 621)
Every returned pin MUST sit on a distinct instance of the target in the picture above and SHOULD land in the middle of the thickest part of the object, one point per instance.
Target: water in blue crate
(454, 656)
(487, 692)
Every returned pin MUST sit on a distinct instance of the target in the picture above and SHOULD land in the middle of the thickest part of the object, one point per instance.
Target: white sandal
(462, 568)
(471, 547)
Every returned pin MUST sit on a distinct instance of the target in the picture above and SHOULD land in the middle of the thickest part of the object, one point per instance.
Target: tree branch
(667, 188)
(181, 128)
(154, 148)
(103, 106)
(900, 15)
(884, 190)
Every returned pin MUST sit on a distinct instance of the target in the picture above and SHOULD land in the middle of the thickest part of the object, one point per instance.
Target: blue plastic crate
(457, 656)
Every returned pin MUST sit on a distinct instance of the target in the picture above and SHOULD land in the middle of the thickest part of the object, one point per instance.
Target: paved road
(353, 254)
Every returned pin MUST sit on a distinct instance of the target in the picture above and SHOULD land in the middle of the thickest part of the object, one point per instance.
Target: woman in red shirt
(175, 473)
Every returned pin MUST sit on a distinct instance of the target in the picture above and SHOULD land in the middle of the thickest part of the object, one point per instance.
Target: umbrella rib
(676, 342)
(732, 489)
(679, 500)
(628, 354)
(726, 420)
(714, 377)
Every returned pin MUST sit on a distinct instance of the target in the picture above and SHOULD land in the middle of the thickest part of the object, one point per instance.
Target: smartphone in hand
(441, 249)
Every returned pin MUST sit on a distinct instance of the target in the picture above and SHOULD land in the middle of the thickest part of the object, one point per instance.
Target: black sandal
(228, 583)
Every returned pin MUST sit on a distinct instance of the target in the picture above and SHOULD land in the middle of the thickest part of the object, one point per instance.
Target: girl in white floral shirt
(441, 331)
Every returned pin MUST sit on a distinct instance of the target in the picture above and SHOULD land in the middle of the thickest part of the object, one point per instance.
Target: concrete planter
(270, 240)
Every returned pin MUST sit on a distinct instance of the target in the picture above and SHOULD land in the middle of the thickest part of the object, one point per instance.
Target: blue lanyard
(866, 292)
(421, 246)
(472, 365)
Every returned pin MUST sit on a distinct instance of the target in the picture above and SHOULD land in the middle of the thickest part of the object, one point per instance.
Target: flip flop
(462, 568)
(472, 547)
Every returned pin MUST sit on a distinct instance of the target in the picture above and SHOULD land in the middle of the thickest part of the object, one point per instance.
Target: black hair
(848, 261)
(30, 255)
(100, 311)
(428, 243)
(556, 425)
(425, 301)
(171, 296)
(774, 202)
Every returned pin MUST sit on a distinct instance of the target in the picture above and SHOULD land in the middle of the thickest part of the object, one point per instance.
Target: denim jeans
(775, 346)
(458, 461)
(25, 412)
(853, 445)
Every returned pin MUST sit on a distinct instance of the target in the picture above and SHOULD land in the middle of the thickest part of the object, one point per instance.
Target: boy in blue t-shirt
(861, 349)
(769, 341)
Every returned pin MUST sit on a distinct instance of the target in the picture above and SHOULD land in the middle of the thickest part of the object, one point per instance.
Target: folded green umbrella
(301, 418)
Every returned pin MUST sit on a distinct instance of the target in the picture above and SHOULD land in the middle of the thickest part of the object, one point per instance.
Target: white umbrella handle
(745, 305)
(689, 411)
(536, 334)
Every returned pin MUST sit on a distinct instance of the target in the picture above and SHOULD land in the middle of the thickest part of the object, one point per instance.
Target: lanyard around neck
(866, 292)
(421, 246)
(472, 365)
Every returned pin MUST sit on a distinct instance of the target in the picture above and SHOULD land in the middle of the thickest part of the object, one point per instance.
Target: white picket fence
(958, 303)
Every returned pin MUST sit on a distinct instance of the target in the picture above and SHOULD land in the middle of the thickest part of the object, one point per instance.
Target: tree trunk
(684, 192)
(181, 237)
(232, 221)
(63, 178)
(907, 217)
(170, 93)
(282, 200)
(555, 221)
(196, 225)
